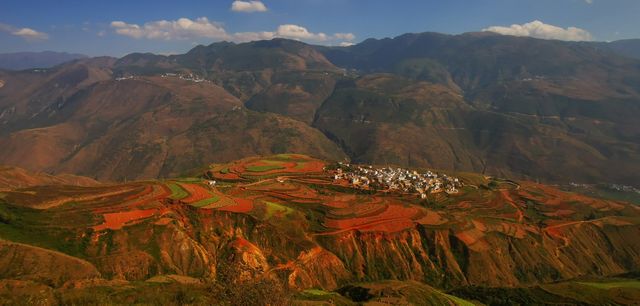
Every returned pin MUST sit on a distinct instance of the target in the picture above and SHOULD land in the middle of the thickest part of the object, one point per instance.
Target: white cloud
(248, 6)
(183, 28)
(251, 36)
(26, 33)
(589, 1)
(346, 44)
(538, 29)
(293, 31)
(345, 36)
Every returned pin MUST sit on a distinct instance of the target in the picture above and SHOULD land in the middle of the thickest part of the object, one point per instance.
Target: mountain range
(30, 60)
(543, 110)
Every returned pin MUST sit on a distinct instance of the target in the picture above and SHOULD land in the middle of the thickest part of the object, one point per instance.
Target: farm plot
(277, 165)
(199, 196)
(394, 218)
(118, 220)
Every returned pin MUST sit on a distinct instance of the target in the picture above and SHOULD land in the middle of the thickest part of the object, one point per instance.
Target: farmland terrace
(286, 217)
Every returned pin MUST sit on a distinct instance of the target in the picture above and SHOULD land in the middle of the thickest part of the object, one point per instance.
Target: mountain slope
(521, 107)
(13, 178)
(386, 119)
(152, 127)
(549, 110)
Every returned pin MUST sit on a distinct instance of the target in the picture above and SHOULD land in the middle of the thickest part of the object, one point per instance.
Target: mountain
(551, 110)
(280, 227)
(30, 60)
(78, 118)
(626, 47)
(281, 76)
(541, 110)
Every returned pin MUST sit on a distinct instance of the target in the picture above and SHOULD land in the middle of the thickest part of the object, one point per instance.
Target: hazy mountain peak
(28, 60)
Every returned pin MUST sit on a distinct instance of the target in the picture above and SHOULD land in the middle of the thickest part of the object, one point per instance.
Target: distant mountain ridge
(29, 60)
(626, 47)
(520, 107)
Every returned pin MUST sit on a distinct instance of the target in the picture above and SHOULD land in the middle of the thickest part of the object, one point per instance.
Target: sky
(116, 28)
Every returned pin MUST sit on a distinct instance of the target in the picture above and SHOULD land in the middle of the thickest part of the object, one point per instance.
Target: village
(186, 77)
(401, 180)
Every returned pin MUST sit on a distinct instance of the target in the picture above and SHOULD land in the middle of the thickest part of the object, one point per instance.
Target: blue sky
(119, 27)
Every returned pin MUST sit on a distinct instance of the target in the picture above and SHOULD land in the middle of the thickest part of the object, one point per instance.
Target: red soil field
(388, 226)
(395, 213)
(473, 238)
(241, 206)
(432, 218)
(373, 206)
(163, 221)
(554, 196)
(311, 166)
(341, 201)
(240, 168)
(149, 194)
(196, 192)
(116, 221)
(147, 190)
(158, 191)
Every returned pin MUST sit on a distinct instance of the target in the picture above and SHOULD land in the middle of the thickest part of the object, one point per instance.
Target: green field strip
(177, 192)
(264, 168)
(458, 301)
(612, 285)
(206, 202)
(189, 180)
(273, 208)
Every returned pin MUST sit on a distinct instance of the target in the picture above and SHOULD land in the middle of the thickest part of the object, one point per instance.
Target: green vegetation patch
(189, 180)
(612, 285)
(318, 292)
(35, 227)
(264, 168)
(275, 208)
(457, 300)
(177, 192)
(206, 202)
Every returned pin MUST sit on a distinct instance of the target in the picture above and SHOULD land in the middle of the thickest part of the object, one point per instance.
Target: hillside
(284, 225)
(538, 109)
(14, 178)
(541, 110)
(79, 119)
(387, 119)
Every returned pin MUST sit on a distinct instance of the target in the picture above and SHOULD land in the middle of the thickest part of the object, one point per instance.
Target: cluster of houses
(123, 78)
(187, 77)
(624, 188)
(396, 179)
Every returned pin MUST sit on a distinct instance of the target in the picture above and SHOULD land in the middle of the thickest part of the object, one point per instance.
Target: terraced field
(295, 222)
